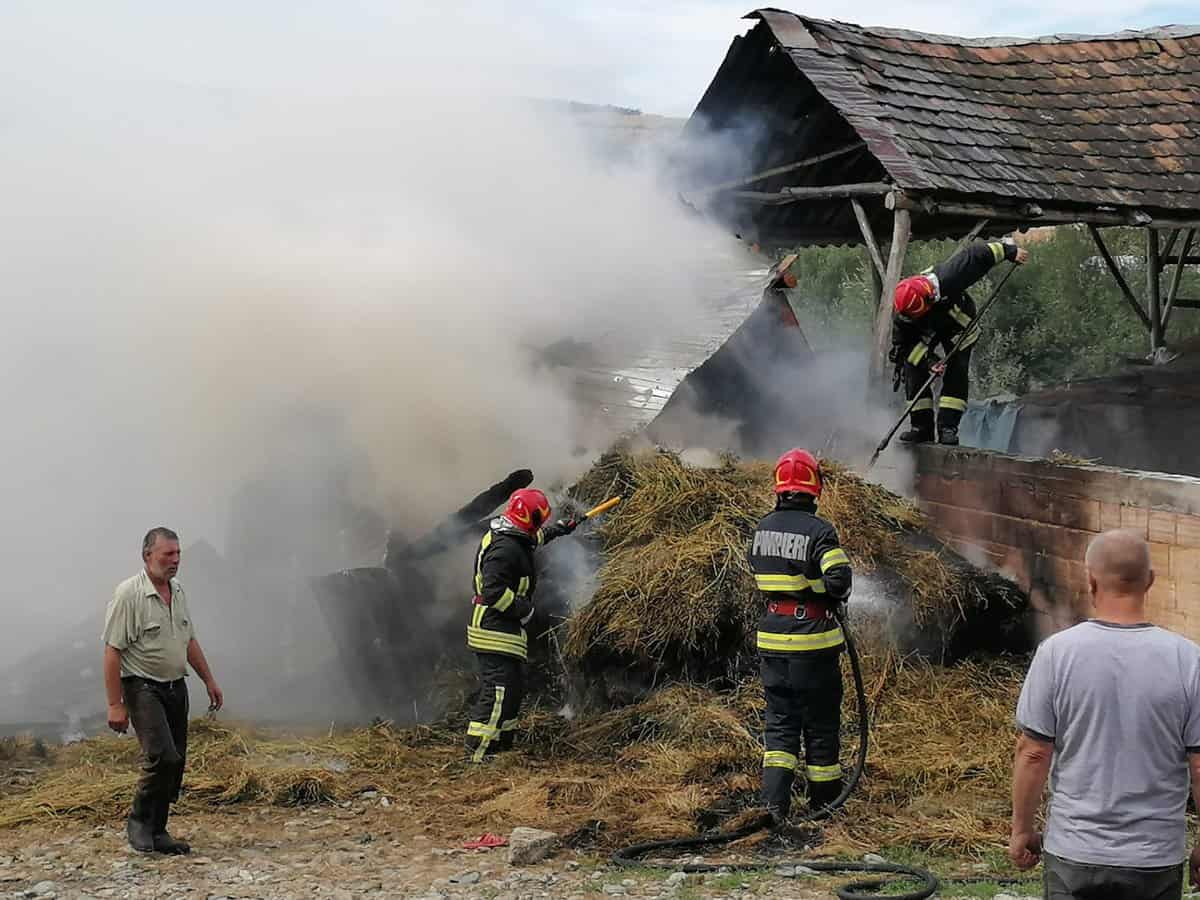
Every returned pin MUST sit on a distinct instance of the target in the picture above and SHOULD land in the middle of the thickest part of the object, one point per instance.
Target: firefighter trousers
(804, 707)
(493, 720)
(955, 389)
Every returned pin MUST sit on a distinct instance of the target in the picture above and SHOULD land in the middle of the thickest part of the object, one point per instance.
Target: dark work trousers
(1066, 880)
(493, 722)
(158, 712)
(954, 396)
(804, 707)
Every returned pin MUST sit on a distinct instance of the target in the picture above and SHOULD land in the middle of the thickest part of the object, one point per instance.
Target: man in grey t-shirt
(1110, 710)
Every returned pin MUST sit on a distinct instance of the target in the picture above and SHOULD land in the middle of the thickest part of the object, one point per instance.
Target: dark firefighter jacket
(952, 309)
(505, 580)
(796, 561)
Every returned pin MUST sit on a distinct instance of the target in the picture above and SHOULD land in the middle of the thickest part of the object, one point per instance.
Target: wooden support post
(1176, 277)
(1170, 244)
(1154, 289)
(864, 225)
(1116, 274)
(901, 230)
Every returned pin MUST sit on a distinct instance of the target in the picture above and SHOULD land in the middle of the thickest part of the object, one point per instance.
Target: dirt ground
(337, 852)
(333, 852)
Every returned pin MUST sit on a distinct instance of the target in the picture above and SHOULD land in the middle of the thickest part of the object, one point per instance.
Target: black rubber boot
(777, 794)
(140, 834)
(822, 793)
(163, 842)
(920, 429)
(947, 436)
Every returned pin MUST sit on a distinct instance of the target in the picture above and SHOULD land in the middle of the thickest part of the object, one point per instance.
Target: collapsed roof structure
(856, 135)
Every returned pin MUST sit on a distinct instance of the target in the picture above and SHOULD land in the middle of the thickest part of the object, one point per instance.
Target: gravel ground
(328, 852)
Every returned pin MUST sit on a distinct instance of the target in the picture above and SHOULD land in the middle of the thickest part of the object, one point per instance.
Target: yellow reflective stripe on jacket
(523, 585)
(780, 759)
(971, 338)
(477, 615)
(923, 403)
(959, 316)
(483, 545)
(798, 643)
(486, 641)
(823, 773)
(835, 557)
(917, 353)
(997, 251)
(789, 583)
(505, 601)
(952, 403)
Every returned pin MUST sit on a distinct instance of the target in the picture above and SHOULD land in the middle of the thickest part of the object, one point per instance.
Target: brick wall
(1032, 519)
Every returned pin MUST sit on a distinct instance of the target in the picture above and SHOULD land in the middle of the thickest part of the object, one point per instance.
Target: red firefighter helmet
(914, 296)
(528, 509)
(798, 472)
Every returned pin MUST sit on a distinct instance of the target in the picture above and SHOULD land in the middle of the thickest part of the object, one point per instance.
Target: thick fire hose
(866, 889)
(958, 343)
(858, 890)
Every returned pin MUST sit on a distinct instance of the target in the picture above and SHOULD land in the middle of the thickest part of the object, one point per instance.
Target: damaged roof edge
(775, 14)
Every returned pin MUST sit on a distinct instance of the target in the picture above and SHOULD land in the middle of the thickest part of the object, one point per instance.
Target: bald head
(1118, 565)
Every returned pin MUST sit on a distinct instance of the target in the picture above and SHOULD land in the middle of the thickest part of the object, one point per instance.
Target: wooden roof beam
(1025, 212)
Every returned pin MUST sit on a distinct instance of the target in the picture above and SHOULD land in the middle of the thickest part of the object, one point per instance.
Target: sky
(210, 211)
(657, 57)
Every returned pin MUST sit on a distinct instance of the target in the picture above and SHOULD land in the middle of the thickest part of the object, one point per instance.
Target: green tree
(1060, 317)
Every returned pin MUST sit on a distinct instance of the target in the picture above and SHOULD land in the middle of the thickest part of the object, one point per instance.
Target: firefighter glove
(557, 530)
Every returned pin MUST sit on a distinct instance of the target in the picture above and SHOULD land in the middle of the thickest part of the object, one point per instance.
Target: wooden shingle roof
(1075, 122)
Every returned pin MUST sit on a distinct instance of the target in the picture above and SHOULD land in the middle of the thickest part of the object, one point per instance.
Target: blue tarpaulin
(990, 424)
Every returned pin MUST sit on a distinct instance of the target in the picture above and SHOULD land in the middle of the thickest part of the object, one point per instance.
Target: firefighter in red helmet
(804, 575)
(931, 309)
(505, 581)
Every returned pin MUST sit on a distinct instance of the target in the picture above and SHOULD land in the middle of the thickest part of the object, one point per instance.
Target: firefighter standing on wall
(804, 575)
(505, 581)
(934, 308)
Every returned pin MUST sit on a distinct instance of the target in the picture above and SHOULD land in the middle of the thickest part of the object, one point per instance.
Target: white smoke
(204, 285)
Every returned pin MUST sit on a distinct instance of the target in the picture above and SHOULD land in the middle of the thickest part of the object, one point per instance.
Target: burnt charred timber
(743, 382)
(389, 623)
(469, 519)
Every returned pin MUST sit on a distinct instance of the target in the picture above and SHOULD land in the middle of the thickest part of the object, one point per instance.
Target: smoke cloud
(340, 291)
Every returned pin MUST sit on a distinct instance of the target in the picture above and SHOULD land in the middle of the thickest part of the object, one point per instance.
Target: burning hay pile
(675, 592)
(684, 758)
(674, 599)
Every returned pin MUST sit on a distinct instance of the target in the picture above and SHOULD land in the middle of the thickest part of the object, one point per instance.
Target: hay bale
(685, 758)
(675, 594)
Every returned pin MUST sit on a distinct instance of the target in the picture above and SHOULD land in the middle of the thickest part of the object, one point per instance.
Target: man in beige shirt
(149, 640)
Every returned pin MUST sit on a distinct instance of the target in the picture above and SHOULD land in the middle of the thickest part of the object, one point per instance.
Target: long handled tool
(599, 510)
(937, 371)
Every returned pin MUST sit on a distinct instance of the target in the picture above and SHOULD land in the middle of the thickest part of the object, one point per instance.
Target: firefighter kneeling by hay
(805, 576)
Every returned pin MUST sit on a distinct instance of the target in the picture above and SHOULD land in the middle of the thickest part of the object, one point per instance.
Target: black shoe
(823, 793)
(947, 436)
(164, 843)
(917, 436)
(140, 837)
